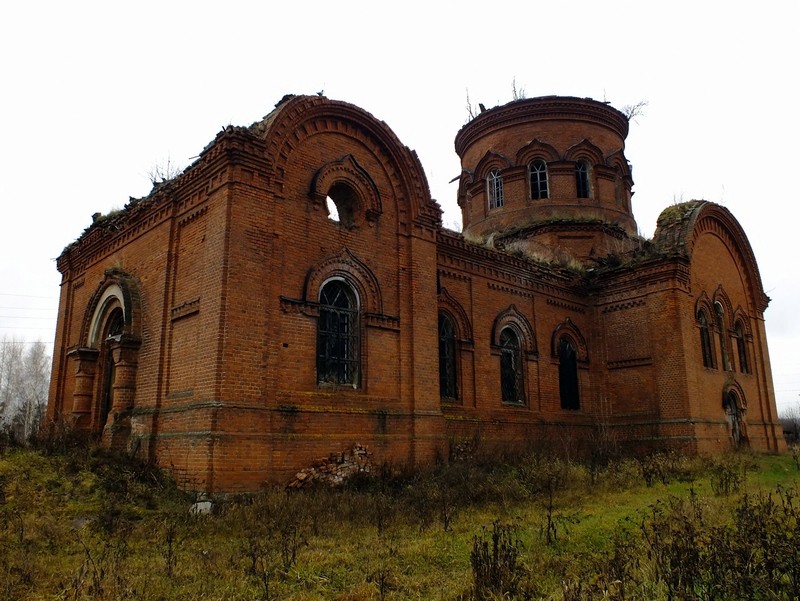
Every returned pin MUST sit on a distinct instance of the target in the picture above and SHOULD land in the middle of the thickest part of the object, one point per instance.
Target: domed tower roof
(548, 170)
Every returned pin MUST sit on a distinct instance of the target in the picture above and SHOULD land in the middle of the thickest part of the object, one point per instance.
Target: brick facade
(229, 327)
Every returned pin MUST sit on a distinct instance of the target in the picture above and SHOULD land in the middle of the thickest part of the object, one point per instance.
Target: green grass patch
(85, 524)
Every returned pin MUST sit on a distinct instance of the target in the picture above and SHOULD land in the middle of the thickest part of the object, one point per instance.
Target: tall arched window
(705, 339)
(494, 189)
(511, 380)
(722, 330)
(111, 333)
(448, 388)
(337, 335)
(582, 179)
(538, 174)
(568, 374)
(741, 348)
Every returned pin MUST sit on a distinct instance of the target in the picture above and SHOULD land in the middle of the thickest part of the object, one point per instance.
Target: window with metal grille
(582, 179)
(494, 186)
(337, 335)
(568, 375)
(538, 171)
(511, 382)
(448, 388)
(705, 339)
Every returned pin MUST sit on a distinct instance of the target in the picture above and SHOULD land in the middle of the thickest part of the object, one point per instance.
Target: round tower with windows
(549, 174)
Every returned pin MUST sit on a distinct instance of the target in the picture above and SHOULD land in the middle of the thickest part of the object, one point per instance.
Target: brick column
(125, 354)
(85, 362)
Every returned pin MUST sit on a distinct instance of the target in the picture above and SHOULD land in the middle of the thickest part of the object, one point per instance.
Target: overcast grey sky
(94, 94)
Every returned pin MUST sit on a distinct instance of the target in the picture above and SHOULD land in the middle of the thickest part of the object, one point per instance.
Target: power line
(28, 296)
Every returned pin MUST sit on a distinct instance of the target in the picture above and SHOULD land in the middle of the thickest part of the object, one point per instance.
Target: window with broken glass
(337, 335)
(582, 179)
(511, 382)
(494, 184)
(538, 171)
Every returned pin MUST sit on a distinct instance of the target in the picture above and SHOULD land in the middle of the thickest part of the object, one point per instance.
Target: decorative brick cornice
(539, 109)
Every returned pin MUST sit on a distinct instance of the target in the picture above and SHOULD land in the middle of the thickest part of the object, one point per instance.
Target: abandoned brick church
(293, 293)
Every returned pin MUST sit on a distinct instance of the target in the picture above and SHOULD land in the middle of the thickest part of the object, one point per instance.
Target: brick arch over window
(457, 313)
(536, 150)
(616, 160)
(346, 171)
(117, 289)
(720, 296)
(512, 317)
(585, 151)
(489, 162)
(570, 330)
(297, 119)
(346, 266)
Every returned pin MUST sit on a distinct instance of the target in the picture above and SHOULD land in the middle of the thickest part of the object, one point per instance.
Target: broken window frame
(494, 189)
(583, 186)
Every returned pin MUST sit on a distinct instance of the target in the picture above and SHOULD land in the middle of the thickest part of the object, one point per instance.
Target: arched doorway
(734, 406)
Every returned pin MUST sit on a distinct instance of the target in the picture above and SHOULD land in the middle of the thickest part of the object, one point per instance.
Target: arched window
(538, 174)
(342, 203)
(705, 339)
(741, 348)
(568, 374)
(511, 381)
(337, 335)
(494, 189)
(112, 332)
(722, 330)
(582, 179)
(448, 388)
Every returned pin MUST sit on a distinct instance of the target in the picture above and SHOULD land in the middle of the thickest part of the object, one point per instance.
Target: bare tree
(631, 111)
(164, 171)
(518, 94)
(24, 384)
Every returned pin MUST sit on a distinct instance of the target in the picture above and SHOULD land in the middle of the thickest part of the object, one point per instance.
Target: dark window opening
(538, 170)
(582, 179)
(568, 375)
(337, 335)
(111, 334)
(705, 340)
(494, 186)
(741, 348)
(447, 358)
(511, 382)
(342, 202)
(723, 336)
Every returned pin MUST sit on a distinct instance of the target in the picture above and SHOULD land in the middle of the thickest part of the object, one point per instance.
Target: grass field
(82, 524)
